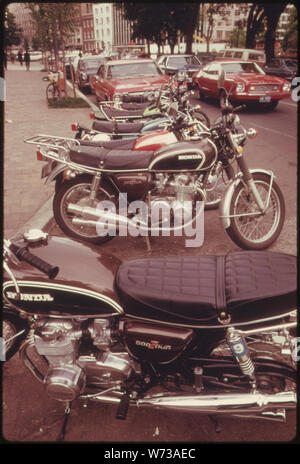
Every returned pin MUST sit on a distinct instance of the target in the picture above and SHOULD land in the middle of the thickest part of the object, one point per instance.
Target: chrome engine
(70, 372)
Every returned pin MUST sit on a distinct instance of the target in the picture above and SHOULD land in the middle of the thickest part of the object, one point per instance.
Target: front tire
(202, 117)
(256, 232)
(11, 326)
(77, 192)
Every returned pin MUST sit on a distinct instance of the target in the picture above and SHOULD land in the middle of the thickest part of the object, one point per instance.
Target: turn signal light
(39, 156)
(74, 126)
(252, 133)
(92, 115)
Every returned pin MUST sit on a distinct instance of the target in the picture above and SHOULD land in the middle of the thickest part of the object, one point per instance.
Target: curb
(43, 218)
(40, 220)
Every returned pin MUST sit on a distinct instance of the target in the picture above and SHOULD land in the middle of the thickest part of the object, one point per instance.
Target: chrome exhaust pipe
(244, 405)
(229, 403)
(117, 220)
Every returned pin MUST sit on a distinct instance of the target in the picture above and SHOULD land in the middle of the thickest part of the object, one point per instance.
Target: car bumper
(259, 97)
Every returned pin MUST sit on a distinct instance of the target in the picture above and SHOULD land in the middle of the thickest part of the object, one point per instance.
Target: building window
(107, 31)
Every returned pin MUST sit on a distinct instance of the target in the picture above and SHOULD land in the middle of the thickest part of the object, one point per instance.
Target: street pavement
(26, 113)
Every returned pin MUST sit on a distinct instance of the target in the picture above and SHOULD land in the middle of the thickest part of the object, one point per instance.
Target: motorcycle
(217, 342)
(252, 209)
(113, 111)
(105, 129)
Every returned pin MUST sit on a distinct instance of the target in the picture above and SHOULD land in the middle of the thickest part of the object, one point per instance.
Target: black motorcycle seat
(116, 113)
(124, 144)
(194, 290)
(118, 159)
(110, 127)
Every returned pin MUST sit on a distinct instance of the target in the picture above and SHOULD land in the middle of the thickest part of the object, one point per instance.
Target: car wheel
(199, 93)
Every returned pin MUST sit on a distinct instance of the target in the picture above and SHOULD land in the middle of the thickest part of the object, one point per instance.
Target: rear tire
(76, 191)
(52, 94)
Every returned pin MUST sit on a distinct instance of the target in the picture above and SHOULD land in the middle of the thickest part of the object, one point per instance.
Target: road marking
(273, 130)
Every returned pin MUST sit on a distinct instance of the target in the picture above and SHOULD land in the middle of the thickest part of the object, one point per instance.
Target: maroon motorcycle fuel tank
(197, 155)
(84, 285)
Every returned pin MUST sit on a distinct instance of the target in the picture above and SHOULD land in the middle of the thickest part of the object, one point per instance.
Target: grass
(69, 103)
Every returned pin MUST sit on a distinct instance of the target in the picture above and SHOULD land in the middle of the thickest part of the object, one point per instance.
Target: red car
(245, 82)
(127, 80)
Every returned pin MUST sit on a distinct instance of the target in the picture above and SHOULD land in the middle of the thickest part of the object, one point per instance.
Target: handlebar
(22, 253)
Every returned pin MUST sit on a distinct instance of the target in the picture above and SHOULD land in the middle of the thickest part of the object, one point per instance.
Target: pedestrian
(20, 58)
(12, 57)
(27, 59)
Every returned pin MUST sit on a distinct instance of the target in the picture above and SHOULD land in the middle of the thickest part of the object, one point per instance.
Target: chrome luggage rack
(53, 142)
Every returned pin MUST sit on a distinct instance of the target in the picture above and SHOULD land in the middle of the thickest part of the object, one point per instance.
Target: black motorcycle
(207, 334)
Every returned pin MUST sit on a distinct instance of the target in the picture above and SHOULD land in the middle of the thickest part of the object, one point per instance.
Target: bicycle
(52, 90)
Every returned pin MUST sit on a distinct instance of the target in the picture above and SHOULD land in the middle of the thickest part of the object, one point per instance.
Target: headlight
(286, 87)
(117, 97)
(240, 87)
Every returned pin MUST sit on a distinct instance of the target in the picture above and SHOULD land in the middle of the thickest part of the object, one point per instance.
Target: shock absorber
(238, 347)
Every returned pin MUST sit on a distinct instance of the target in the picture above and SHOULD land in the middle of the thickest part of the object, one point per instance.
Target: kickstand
(216, 423)
(62, 434)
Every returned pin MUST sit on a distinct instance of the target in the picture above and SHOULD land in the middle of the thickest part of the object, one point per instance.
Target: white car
(35, 56)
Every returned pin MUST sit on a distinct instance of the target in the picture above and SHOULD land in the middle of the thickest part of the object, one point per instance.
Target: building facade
(87, 27)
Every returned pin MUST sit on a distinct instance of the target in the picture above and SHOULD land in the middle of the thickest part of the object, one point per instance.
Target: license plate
(46, 169)
(265, 99)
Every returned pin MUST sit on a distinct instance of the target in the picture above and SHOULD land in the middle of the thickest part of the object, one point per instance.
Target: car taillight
(74, 126)
(92, 115)
(39, 156)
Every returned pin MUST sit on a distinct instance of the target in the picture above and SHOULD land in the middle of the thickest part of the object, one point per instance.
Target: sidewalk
(26, 113)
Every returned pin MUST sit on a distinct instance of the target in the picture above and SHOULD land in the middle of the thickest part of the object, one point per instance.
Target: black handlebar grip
(24, 255)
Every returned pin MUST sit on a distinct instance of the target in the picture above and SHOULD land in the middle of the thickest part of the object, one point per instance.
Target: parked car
(36, 56)
(87, 66)
(171, 64)
(247, 54)
(74, 63)
(245, 82)
(282, 67)
(127, 79)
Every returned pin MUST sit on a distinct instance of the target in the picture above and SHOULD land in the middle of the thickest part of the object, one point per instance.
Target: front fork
(248, 179)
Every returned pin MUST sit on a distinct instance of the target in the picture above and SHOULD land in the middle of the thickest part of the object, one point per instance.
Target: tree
(259, 12)
(171, 20)
(12, 32)
(212, 10)
(238, 36)
(54, 22)
(290, 39)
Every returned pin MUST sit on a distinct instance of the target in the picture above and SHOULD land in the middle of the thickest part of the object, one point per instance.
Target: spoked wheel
(256, 231)
(14, 331)
(52, 93)
(81, 225)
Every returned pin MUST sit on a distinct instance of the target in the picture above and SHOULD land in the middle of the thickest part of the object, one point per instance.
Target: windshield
(133, 69)
(92, 64)
(242, 68)
(178, 61)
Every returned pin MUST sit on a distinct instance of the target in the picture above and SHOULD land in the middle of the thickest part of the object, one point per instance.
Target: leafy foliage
(12, 33)
(290, 39)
